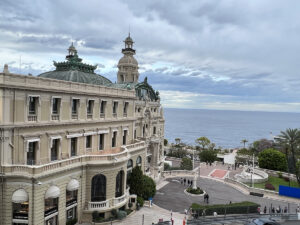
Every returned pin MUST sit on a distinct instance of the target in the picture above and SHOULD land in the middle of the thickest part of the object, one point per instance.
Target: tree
(244, 141)
(135, 181)
(262, 144)
(203, 142)
(177, 153)
(291, 139)
(186, 164)
(141, 185)
(208, 156)
(177, 141)
(272, 159)
(165, 142)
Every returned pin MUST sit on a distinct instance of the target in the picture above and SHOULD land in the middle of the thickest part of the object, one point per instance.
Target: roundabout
(172, 196)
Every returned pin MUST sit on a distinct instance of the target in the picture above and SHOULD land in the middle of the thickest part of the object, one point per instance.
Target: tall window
(139, 161)
(125, 109)
(101, 141)
(134, 134)
(75, 103)
(129, 169)
(31, 154)
(125, 137)
(88, 141)
(115, 108)
(89, 108)
(102, 109)
(32, 108)
(119, 184)
(73, 146)
(154, 130)
(114, 139)
(98, 192)
(55, 105)
(54, 149)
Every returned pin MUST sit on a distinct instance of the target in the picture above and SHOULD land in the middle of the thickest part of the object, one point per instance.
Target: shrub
(186, 164)
(233, 208)
(129, 205)
(269, 186)
(167, 167)
(95, 215)
(197, 191)
(114, 213)
(287, 179)
(121, 214)
(140, 201)
(128, 211)
(72, 221)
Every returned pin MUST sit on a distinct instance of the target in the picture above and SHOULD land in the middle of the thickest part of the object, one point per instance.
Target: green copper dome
(77, 76)
(76, 71)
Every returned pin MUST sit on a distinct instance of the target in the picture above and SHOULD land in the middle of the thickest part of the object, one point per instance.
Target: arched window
(119, 184)
(98, 192)
(20, 205)
(139, 161)
(129, 164)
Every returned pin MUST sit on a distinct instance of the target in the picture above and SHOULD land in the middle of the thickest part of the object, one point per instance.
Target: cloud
(245, 49)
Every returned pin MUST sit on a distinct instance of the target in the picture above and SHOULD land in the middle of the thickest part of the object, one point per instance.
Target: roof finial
(5, 70)
(129, 31)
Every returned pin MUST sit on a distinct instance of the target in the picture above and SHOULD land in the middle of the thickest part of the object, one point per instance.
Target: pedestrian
(265, 210)
(230, 202)
(279, 209)
(273, 210)
(285, 209)
(191, 183)
(181, 180)
(207, 198)
(184, 180)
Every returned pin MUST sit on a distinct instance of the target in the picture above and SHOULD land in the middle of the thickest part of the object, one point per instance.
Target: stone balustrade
(98, 205)
(36, 170)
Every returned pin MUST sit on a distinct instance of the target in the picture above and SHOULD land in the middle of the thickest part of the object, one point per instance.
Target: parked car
(263, 221)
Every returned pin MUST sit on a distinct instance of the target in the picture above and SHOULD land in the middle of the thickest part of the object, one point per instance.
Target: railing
(125, 114)
(98, 205)
(20, 215)
(136, 145)
(32, 118)
(114, 115)
(74, 116)
(55, 117)
(102, 115)
(119, 200)
(84, 159)
(71, 202)
(90, 116)
(51, 211)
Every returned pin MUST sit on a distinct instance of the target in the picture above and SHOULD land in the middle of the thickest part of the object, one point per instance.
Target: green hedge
(234, 208)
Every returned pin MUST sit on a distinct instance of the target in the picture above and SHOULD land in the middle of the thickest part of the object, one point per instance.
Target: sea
(224, 127)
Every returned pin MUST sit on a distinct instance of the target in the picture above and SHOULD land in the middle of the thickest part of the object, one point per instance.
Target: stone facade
(57, 135)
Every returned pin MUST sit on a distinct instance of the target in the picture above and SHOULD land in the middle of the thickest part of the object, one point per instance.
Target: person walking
(188, 182)
(207, 198)
(181, 180)
(191, 183)
(265, 210)
(184, 180)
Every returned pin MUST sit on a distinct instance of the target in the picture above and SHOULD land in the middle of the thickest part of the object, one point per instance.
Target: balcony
(102, 115)
(89, 116)
(74, 116)
(55, 117)
(125, 114)
(44, 166)
(98, 205)
(114, 115)
(120, 200)
(32, 118)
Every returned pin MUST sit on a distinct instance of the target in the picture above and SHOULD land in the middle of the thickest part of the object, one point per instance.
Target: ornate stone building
(70, 138)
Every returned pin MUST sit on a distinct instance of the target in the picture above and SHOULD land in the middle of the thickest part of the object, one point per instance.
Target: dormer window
(89, 109)
(115, 109)
(125, 109)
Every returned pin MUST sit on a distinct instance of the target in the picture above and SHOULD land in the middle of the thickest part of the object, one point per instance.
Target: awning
(52, 192)
(20, 196)
(73, 185)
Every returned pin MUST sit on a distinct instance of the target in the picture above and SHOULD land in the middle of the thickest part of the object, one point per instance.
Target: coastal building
(70, 138)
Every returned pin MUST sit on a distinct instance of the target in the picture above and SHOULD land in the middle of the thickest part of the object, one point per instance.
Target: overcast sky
(238, 55)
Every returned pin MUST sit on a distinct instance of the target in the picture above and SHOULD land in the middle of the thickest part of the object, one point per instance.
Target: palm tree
(291, 139)
(244, 141)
